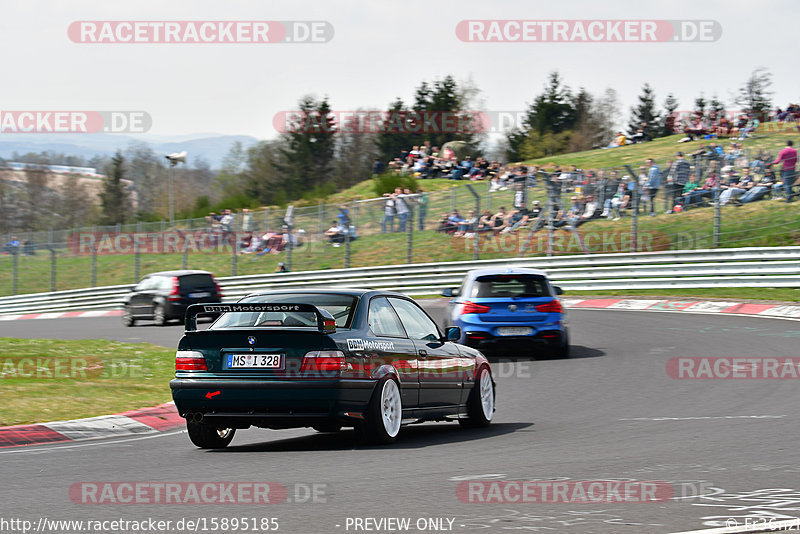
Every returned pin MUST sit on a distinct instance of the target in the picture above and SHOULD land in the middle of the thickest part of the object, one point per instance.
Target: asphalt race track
(727, 447)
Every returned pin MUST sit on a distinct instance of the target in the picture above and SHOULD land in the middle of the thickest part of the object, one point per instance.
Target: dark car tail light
(190, 360)
(554, 306)
(324, 361)
(175, 294)
(219, 289)
(471, 307)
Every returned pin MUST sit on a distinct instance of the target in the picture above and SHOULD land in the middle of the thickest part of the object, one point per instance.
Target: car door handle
(423, 353)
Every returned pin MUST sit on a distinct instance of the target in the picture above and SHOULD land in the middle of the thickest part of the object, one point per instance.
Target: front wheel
(208, 436)
(385, 413)
(480, 405)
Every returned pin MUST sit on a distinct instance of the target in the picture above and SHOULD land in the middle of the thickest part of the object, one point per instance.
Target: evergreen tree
(394, 136)
(551, 112)
(114, 197)
(644, 115)
(700, 104)
(755, 95)
(440, 113)
(306, 161)
(669, 119)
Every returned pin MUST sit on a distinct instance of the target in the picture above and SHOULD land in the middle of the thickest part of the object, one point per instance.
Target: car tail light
(175, 294)
(554, 306)
(324, 361)
(471, 336)
(471, 307)
(190, 360)
(219, 289)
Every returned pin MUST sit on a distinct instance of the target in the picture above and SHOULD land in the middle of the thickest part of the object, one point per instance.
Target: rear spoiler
(325, 321)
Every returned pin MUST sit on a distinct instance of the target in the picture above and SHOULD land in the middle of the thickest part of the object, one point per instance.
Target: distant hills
(208, 146)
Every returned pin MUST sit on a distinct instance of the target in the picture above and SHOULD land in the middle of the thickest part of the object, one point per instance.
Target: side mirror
(558, 290)
(452, 333)
(450, 292)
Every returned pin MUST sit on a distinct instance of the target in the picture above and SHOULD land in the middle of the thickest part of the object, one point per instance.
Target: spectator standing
(344, 216)
(653, 184)
(680, 177)
(247, 220)
(389, 211)
(403, 211)
(422, 208)
(787, 156)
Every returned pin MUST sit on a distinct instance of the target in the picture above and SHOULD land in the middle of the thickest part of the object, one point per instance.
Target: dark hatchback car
(164, 296)
(326, 359)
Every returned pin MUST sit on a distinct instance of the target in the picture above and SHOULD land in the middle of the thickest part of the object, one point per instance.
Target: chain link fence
(600, 211)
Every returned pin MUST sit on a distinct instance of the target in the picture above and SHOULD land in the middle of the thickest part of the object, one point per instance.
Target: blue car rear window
(510, 285)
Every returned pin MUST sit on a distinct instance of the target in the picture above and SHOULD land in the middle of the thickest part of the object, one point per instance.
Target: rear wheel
(208, 436)
(159, 315)
(562, 351)
(385, 413)
(127, 317)
(480, 405)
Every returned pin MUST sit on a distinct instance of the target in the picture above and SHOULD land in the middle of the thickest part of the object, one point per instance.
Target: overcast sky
(381, 50)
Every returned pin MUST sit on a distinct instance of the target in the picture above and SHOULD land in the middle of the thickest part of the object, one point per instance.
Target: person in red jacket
(789, 158)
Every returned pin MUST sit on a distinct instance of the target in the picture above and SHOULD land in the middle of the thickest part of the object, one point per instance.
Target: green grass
(771, 136)
(74, 379)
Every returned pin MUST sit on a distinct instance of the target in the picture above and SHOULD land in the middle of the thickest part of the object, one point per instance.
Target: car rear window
(340, 306)
(192, 281)
(510, 285)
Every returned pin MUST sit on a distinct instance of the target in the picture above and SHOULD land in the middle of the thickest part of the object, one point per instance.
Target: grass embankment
(51, 380)
(765, 223)
(771, 137)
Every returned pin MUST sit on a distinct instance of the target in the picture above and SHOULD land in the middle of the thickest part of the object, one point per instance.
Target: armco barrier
(708, 268)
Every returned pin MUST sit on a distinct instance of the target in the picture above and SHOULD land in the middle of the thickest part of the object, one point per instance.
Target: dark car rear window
(192, 281)
(510, 285)
(340, 306)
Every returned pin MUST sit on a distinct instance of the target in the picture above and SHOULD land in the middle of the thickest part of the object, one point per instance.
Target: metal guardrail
(707, 268)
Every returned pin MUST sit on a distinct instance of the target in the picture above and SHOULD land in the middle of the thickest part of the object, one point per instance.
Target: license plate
(255, 361)
(514, 331)
(200, 295)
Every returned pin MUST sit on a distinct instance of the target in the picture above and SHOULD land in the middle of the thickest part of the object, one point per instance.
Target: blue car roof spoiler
(325, 321)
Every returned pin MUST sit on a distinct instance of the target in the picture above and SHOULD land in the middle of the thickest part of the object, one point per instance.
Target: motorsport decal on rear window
(255, 307)
(366, 344)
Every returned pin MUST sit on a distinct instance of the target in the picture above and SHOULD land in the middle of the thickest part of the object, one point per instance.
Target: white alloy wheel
(391, 408)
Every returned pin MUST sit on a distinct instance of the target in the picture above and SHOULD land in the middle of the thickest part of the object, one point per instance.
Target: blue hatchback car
(509, 310)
